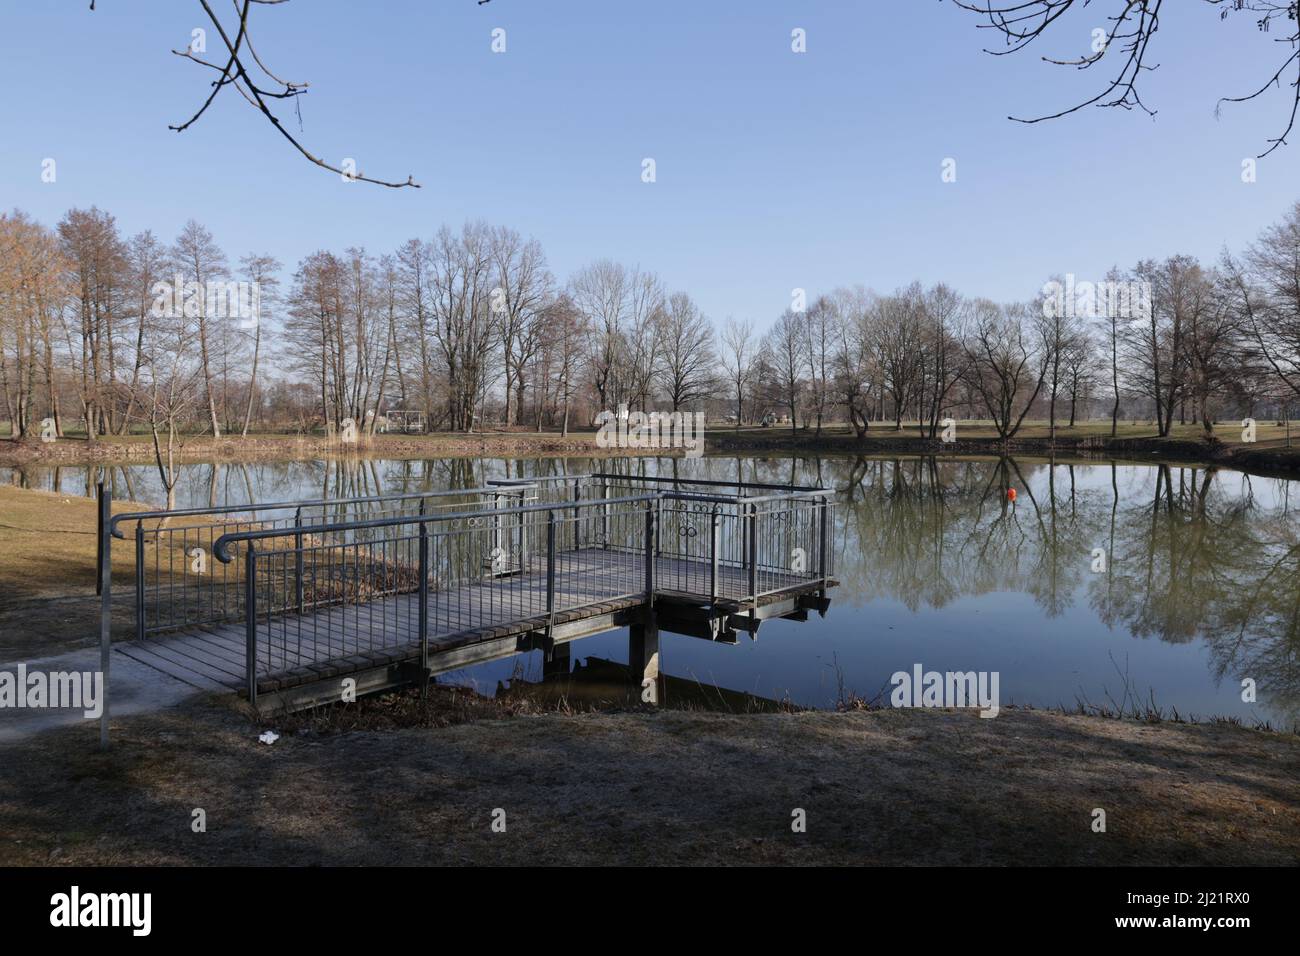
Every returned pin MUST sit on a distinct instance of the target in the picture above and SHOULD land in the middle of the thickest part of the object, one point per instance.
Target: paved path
(136, 688)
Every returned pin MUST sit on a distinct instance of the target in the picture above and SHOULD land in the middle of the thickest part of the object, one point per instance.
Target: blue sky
(775, 169)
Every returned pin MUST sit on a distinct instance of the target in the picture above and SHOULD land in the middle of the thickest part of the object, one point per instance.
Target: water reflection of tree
(1188, 555)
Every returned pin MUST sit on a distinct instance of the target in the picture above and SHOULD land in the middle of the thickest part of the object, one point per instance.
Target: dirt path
(882, 787)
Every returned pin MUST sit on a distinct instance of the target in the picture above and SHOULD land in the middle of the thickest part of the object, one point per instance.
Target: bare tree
(146, 264)
(199, 260)
(1266, 296)
(1058, 330)
(684, 366)
(93, 252)
(738, 347)
(1005, 364)
(818, 342)
(897, 345)
(943, 361)
(523, 290)
(169, 386)
(786, 357)
(32, 275)
(854, 371)
(262, 270)
(461, 270)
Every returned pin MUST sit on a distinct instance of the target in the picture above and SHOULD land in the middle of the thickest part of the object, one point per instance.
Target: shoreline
(1269, 458)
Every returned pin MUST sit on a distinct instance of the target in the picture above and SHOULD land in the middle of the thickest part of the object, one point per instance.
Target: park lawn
(882, 787)
(48, 603)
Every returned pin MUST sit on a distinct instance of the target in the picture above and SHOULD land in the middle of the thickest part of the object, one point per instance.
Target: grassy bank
(47, 573)
(878, 787)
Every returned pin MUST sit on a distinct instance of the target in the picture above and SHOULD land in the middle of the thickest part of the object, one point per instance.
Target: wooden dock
(301, 614)
(304, 657)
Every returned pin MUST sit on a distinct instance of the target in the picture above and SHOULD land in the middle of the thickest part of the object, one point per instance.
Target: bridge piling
(556, 664)
(643, 656)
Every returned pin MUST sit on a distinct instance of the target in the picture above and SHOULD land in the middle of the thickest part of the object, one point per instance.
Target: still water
(1164, 583)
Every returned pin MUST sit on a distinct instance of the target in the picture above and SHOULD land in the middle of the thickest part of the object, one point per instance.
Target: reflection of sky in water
(1202, 586)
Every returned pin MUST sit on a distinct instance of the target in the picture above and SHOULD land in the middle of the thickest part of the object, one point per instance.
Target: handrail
(539, 479)
(492, 487)
(713, 482)
(220, 548)
(222, 554)
(286, 505)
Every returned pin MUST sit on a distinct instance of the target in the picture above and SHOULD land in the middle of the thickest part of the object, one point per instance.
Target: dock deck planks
(329, 641)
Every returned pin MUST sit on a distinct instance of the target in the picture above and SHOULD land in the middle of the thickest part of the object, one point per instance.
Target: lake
(1166, 584)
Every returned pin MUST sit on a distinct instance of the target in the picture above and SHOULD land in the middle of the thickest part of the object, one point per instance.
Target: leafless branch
(1130, 31)
(235, 74)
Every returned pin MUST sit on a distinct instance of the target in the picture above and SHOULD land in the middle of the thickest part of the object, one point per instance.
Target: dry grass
(879, 787)
(47, 573)
(48, 603)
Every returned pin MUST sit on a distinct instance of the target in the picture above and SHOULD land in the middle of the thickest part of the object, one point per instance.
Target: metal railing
(177, 584)
(411, 582)
(323, 580)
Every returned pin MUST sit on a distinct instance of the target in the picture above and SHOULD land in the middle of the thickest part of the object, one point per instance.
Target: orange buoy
(1011, 494)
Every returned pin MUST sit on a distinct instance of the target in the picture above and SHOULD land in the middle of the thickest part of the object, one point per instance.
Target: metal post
(577, 512)
(250, 622)
(139, 580)
(525, 565)
(753, 554)
(715, 538)
(297, 558)
(424, 599)
(651, 531)
(823, 544)
(659, 521)
(104, 584)
(550, 571)
(104, 514)
(604, 511)
(496, 521)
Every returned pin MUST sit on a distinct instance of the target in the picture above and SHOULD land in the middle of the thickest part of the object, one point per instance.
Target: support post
(424, 599)
(139, 580)
(752, 557)
(297, 558)
(643, 657)
(604, 511)
(521, 531)
(101, 545)
(550, 572)
(715, 542)
(823, 544)
(250, 623)
(104, 584)
(651, 533)
(556, 663)
(577, 513)
(496, 522)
